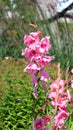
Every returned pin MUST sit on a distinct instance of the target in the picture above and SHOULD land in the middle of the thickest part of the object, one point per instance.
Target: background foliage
(15, 26)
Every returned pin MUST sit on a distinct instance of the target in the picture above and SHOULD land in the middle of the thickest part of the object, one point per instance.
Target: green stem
(33, 112)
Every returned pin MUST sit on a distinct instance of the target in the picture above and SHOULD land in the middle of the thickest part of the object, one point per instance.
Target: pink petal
(32, 68)
(34, 80)
(36, 34)
(47, 119)
(44, 75)
(39, 124)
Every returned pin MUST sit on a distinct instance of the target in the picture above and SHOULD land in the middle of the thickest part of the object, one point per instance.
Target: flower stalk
(36, 52)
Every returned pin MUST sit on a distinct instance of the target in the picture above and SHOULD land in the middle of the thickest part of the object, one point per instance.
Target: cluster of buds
(40, 123)
(59, 100)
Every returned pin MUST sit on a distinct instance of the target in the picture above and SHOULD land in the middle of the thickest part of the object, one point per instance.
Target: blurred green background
(15, 16)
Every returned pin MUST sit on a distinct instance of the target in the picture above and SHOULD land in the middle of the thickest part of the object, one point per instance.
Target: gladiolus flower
(39, 124)
(32, 68)
(60, 117)
(47, 119)
(30, 53)
(45, 45)
(54, 86)
(28, 40)
(36, 34)
(44, 75)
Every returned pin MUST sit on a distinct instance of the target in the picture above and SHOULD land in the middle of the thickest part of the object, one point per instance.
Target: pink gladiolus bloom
(62, 98)
(47, 119)
(39, 124)
(59, 118)
(34, 44)
(61, 103)
(44, 75)
(52, 95)
(55, 127)
(53, 103)
(45, 45)
(36, 34)
(32, 68)
(44, 60)
(28, 40)
(30, 54)
(54, 86)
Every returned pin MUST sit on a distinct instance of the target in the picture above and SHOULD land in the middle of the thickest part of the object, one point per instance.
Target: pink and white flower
(39, 124)
(45, 45)
(47, 119)
(36, 35)
(60, 117)
(30, 53)
(28, 40)
(44, 75)
(44, 60)
(54, 86)
(32, 68)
